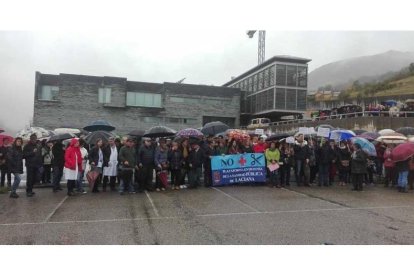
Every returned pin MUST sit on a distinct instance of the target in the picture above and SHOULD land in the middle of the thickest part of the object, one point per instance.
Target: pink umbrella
(7, 137)
(402, 152)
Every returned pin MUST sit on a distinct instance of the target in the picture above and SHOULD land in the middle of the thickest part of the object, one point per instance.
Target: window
(291, 99)
(270, 95)
(272, 75)
(266, 78)
(152, 120)
(184, 100)
(260, 84)
(173, 120)
(104, 95)
(301, 100)
(49, 93)
(302, 76)
(255, 83)
(190, 121)
(280, 98)
(280, 74)
(143, 99)
(291, 76)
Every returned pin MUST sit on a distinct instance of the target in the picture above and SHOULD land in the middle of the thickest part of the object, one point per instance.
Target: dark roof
(200, 90)
(47, 79)
(281, 58)
(144, 86)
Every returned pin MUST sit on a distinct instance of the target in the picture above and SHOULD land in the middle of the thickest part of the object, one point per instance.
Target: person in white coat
(111, 170)
(81, 175)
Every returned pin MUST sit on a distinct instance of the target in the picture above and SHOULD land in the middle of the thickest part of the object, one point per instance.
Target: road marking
(238, 200)
(152, 204)
(54, 210)
(205, 215)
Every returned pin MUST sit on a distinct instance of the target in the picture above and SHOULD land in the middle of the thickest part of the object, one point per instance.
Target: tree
(411, 68)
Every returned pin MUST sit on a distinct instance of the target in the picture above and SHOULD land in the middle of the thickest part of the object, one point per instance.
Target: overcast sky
(202, 57)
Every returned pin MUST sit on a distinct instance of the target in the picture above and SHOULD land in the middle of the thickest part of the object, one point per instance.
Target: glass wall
(143, 99)
(280, 98)
(281, 74)
(291, 72)
(302, 76)
(290, 99)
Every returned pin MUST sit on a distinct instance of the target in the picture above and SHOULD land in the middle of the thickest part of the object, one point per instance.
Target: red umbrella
(7, 137)
(402, 152)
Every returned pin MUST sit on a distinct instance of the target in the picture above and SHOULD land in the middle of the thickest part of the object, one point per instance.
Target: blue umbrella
(99, 125)
(341, 134)
(391, 102)
(366, 145)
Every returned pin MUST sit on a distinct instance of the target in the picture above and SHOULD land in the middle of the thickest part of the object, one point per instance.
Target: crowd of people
(133, 164)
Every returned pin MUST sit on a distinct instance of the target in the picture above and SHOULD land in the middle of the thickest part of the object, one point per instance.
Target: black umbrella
(137, 133)
(214, 127)
(278, 136)
(99, 125)
(406, 130)
(92, 137)
(61, 137)
(359, 131)
(159, 131)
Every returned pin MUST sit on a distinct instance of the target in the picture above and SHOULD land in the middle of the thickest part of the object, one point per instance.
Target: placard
(304, 130)
(259, 131)
(323, 132)
(290, 140)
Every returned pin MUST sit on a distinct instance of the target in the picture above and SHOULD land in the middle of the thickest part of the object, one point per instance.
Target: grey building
(68, 100)
(275, 88)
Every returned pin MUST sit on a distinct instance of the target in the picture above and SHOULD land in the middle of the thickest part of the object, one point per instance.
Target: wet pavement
(224, 215)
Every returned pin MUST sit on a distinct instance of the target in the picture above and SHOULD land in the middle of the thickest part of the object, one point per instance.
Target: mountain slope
(343, 72)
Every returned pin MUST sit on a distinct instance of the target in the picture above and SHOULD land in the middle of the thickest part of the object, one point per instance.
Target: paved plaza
(223, 215)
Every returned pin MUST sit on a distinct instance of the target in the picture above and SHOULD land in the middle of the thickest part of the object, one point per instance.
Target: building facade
(68, 100)
(275, 88)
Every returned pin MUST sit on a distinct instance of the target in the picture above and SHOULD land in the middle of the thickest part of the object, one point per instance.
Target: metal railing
(395, 114)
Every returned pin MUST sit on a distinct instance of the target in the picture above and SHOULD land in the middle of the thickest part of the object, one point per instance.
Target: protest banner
(323, 132)
(238, 168)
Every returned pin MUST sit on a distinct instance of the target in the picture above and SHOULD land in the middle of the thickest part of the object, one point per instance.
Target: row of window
(143, 99)
(281, 98)
(286, 75)
(170, 120)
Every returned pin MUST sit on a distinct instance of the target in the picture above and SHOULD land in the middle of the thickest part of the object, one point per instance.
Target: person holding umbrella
(176, 160)
(402, 169)
(73, 165)
(32, 153)
(111, 170)
(128, 162)
(145, 160)
(195, 160)
(15, 158)
(98, 160)
(47, 162)
(358, 167)
(4, 166)
(58, 163)
(389, 166)
(161, 163)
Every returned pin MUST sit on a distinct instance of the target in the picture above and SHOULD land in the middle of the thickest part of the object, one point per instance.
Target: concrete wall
(366, 123)
(78, 105)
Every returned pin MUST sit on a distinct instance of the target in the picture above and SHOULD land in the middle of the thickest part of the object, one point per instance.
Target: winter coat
(222, 150)
(301, 152)
(388, 163)
(272, 155)
(33, 159)
(161, 157)
(259, 148)
(72, 155)
(359, 162)
(94, 156)
(208, 152)
(15, 159)
(146, 156)
(127, 154)
(248, 149)
(176, 159)
(325, 155)
(344, 155)
(58, 155)
(47, 156)
(196, 158)
(3, 156)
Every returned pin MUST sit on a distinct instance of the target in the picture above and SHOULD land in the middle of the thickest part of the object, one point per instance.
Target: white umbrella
(67, 130)
(386, 131)
(40, 132)
(396, 138)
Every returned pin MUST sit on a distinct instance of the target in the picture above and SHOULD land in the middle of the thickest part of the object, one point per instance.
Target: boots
(14, 195)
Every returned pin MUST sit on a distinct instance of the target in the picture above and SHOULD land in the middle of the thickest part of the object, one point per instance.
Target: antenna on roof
(181, 81)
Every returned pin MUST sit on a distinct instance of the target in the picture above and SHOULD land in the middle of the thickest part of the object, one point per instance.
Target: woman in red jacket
(73, 165)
